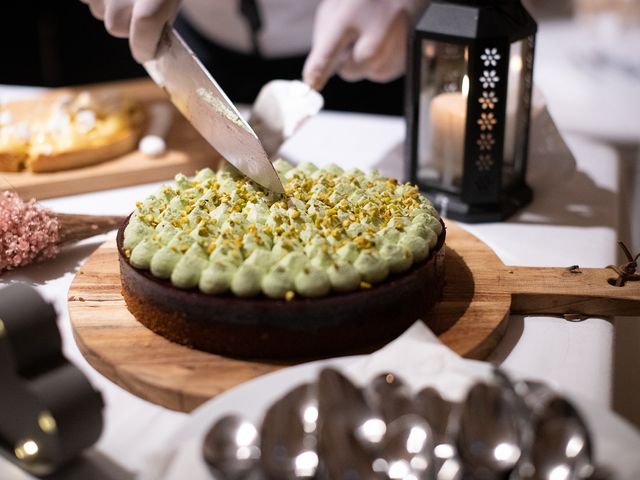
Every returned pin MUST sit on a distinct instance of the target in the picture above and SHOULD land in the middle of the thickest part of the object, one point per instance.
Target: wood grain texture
(584, 291)
(186, 152)
(479, 293)
(180, 378)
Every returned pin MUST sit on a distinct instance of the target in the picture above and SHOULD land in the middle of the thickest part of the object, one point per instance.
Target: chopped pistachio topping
(331, 231)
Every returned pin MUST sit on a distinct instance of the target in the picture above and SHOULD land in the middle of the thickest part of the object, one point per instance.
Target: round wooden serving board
(480, 292)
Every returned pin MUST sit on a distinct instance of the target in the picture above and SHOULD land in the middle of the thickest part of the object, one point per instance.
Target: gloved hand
(139, 20)
(360, 39)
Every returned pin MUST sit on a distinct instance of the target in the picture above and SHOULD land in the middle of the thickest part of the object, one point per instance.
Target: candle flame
(465, 86)
(516, 63)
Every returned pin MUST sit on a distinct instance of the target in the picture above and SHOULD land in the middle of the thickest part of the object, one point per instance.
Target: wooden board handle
(585, 291)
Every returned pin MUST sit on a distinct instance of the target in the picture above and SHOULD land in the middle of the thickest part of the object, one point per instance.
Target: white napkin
(418, 357)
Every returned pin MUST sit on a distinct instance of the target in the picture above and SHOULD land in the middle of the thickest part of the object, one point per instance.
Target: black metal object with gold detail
(49, 412)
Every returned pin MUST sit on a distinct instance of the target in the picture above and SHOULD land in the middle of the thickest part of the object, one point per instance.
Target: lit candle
(513, 94)
(448, 119)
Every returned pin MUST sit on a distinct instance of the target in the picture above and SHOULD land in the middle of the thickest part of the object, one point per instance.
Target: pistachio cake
(207, 257)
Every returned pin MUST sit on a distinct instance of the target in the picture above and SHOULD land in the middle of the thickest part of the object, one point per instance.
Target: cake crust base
(124, 143)
(12, 161)
(261, 327)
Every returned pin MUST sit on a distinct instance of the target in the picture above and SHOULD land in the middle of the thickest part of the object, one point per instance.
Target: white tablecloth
(591, 76)
(572, 220)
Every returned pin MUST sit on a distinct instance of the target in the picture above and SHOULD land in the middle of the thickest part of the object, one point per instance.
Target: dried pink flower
(28, 232)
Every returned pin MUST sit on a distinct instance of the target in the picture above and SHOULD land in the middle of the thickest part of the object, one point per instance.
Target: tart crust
(24, 157)
(12, 161)
(65, 160)
(261, 327)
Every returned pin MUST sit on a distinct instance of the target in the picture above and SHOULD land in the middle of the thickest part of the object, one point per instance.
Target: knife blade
(200, 99)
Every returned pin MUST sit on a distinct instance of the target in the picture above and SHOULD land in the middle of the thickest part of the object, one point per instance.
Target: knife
(200, 99)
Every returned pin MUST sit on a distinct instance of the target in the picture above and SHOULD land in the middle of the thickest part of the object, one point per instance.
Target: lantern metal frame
(487, 28)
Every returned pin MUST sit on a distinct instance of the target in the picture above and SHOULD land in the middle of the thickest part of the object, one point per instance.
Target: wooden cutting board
(187, 151)
(480, 293)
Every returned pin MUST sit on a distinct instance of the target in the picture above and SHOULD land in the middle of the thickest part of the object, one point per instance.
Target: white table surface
(591, 76)
(572, 220)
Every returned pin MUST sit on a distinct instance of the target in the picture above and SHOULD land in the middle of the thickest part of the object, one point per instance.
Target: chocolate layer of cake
(261, 327)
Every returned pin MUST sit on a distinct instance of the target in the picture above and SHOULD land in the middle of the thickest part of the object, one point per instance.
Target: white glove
(139, 20)
(360, 39)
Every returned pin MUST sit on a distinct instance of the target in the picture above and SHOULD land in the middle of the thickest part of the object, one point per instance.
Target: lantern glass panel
(444, 87)
(515, 116)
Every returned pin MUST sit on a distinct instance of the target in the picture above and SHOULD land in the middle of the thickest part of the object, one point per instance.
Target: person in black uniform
(246, 43)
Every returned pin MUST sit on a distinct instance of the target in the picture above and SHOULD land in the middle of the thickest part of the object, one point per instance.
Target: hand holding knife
(357, 38)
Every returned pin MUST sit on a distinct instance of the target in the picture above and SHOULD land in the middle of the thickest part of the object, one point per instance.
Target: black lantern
(468, 107)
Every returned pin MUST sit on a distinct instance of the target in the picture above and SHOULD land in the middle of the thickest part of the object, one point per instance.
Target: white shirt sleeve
(287, 25)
